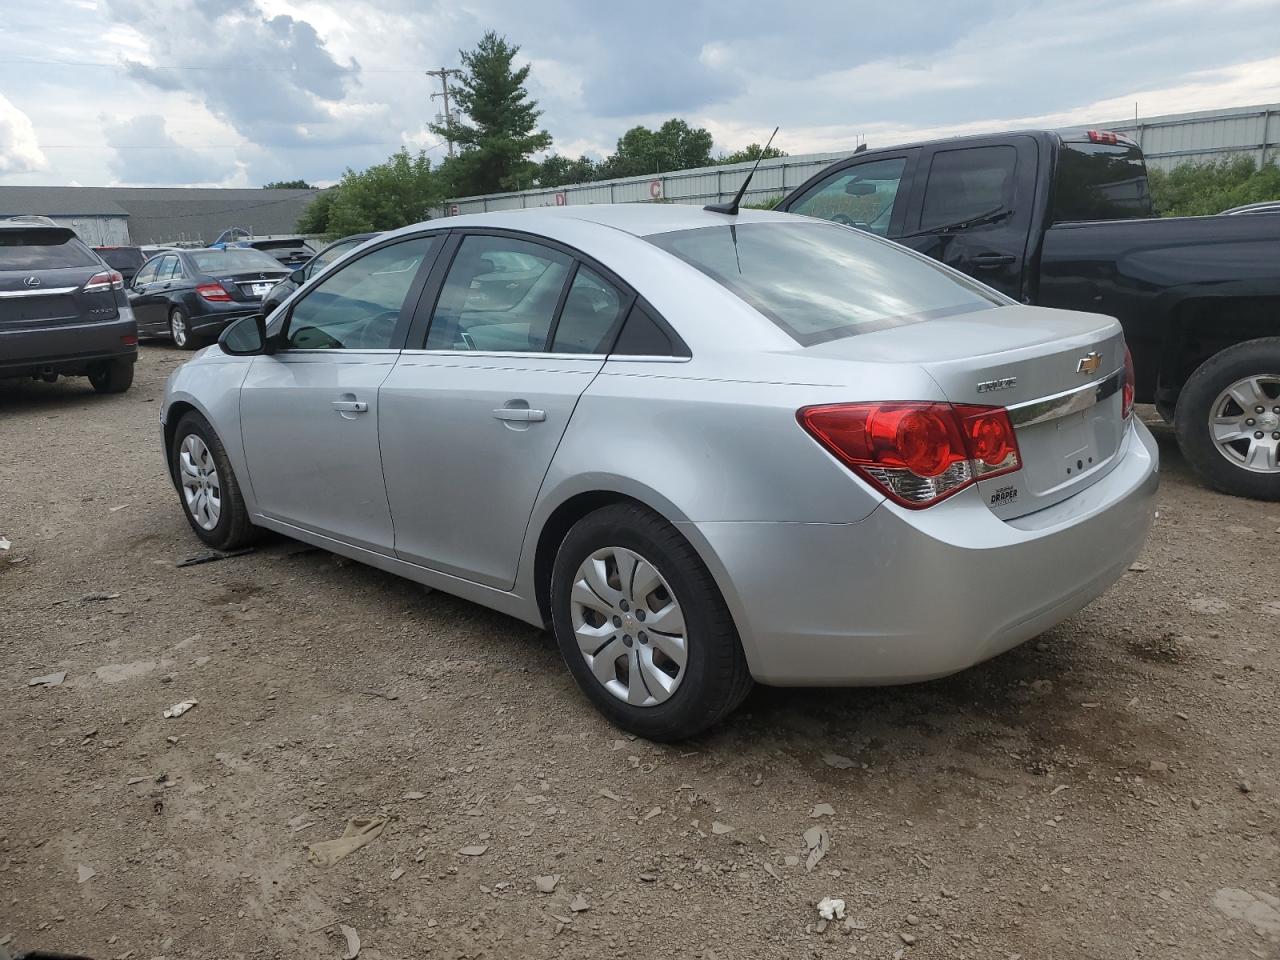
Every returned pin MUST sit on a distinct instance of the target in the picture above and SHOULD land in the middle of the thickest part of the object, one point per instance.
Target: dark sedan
(190, 295)
(339, 248)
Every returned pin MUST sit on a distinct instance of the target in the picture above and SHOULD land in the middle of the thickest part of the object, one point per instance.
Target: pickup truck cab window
(864, 195)
(1100, 181)
(969, 183)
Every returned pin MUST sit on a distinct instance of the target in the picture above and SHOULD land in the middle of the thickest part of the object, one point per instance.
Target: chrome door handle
(350, 406)
(520, 414)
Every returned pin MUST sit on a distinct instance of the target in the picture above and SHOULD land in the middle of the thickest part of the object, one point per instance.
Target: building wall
(1167, 141)
(98, 231)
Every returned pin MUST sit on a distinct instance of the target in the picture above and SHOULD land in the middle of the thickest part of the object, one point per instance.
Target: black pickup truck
(1064, 219)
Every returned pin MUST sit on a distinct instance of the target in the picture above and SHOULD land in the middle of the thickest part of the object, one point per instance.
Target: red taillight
(1103, 136)
(129, 341)
(214, 292)
(106, 280)
(918, 453)
(1130, 384)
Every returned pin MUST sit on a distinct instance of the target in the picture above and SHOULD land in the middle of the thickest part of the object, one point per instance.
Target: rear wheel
(1228, 420)
(113, 376)
(180, 330)
(210, 494)
(643, 627)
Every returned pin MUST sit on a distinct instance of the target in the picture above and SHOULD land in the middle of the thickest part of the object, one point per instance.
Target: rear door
(972, 209)
(144, 297)
(474, 411)
(309, 412)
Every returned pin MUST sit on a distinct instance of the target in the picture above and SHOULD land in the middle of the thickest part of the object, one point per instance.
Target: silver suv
(63, 311)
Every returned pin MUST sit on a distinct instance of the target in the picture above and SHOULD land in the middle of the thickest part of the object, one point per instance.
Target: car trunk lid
(250, 286)
(34, 298)
(1058, 373)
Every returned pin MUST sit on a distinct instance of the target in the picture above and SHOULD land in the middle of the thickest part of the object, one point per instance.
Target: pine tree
(502, 129)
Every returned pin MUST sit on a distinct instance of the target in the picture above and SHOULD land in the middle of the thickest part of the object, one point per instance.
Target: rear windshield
(215, 262)
(1100, 181)
(279, 247)
(822, 281)
(129, 258)
(42, 250)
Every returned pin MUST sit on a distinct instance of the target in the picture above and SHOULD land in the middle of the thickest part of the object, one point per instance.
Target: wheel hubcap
(1245, 423)
(629, 626)
(200, 487)
(179, 327)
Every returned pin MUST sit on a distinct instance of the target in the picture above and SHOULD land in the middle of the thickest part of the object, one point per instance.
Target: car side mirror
(299, 276)
(246, 337)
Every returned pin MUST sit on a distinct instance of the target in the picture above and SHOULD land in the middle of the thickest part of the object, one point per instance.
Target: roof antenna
(731, 207)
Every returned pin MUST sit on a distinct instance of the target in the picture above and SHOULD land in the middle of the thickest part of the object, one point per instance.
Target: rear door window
(147, 273)
(819, 281)
(500, 294)
(43, 250)
(591, 314)
(168, 268)
(967, 183)
(1100, 181)
(863, 196)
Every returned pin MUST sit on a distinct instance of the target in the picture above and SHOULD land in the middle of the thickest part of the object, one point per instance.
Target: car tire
(112, 376)
(180, 330)
(207, 486)
(712, 680)
(1222, 399)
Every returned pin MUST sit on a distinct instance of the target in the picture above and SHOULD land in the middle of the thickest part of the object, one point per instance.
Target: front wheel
(643, 627)
(1228, 420)
(113, 376)
(210, 494)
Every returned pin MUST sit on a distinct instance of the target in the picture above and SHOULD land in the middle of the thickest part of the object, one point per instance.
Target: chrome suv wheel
(1245, 423)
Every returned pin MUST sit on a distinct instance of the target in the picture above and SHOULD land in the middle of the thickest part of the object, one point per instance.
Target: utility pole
(444, 73)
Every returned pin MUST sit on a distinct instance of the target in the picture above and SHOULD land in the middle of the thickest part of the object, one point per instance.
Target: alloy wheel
(178, 328)
(201, 490)
(1245, 423)
(629, 626)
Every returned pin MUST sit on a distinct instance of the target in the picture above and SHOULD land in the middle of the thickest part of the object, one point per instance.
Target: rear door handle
(350, 406)
(990, 261)
(520, 414)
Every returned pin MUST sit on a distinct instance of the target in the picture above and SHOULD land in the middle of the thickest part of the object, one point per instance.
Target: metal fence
(1167, 141)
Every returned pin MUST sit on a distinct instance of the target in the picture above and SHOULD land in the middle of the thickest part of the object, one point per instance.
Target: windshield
(216, 262)
(822, 281)
(42, 250)
(1100, 181)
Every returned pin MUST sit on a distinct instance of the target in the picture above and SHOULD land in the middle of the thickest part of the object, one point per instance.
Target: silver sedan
(703, 449)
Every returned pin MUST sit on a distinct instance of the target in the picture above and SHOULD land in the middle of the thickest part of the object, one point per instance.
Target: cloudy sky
(240, 92)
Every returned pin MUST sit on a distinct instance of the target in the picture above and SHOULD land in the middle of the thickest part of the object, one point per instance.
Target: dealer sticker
(1004, 496)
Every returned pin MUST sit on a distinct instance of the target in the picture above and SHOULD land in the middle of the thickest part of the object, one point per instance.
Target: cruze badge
(1089, 363)
(1004, 383)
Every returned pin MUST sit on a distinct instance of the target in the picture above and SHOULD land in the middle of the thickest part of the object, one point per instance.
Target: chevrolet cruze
(703, 449)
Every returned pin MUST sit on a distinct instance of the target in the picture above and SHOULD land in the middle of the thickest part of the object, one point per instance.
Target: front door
(471, 422)
(309, 412)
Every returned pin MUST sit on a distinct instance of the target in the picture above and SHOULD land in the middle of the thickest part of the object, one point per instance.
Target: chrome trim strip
(1065, 403)
(37, 292)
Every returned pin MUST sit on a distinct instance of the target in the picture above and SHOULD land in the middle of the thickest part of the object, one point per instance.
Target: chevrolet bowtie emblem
(1089, 363)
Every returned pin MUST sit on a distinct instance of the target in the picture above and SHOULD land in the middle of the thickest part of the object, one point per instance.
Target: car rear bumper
(68, 349)
(908, 595)
(215, 317)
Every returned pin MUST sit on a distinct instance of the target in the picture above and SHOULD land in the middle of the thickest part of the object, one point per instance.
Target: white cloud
(19, 149)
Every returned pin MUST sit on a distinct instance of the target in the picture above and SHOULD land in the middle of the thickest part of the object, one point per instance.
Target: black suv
(63, 311)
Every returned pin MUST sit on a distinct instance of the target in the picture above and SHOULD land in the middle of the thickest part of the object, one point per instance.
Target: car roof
(637, 219)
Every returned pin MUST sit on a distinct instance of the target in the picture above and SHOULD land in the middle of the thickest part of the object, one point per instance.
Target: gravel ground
(1111, 789)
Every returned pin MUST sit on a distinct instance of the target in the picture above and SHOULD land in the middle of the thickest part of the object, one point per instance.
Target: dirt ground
(1111, 789)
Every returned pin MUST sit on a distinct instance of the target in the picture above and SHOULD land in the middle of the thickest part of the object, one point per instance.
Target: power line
(170, 66)
(226, 146)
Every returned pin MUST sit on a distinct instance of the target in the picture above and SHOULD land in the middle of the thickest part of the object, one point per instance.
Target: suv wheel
(643, 627)
(210, 494)
(179, 331)
(111, 376)
(1228, 420)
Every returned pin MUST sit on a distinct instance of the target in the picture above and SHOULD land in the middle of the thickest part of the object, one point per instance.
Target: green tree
(503, 130)
(557, 171)
(287, 185)
(673, 146)
(315, 218)
(1200, 189)
(399, 191)
(752, 151)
